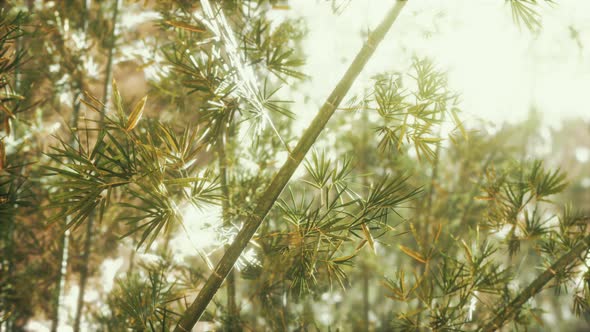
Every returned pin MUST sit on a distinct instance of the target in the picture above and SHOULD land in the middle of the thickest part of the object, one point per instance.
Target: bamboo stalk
(476, 188)
(509, 311)
(84, 272)
(60, 289)
(90, 222)
(425, 224)
(365, 138)
(65, 238)
(8, 259)
(280, 180)
(230, 282)
(366, 304)
(109, 69)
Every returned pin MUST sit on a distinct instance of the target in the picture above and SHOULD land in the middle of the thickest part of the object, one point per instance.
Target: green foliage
(15, 193)
(332, 213)
(141, 300)
(524, 12)
(150, 165)
(364, 227)
(521, 214)
(411, 116)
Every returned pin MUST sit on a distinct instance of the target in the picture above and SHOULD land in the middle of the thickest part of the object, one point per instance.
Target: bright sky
(499, 69)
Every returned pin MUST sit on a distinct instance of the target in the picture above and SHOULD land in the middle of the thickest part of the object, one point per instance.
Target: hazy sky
(499, 69)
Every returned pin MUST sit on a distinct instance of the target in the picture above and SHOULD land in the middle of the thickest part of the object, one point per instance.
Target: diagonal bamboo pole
(509, 311)
(280, 180)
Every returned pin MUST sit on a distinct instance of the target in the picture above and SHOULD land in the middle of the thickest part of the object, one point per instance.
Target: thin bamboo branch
(272, 192)
(509, 311)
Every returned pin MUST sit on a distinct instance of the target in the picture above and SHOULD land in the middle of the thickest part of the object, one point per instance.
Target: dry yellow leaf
(6, 110)
(368, 236)
(343, 258)
(136, 114)
(184, 26)
(415, 255)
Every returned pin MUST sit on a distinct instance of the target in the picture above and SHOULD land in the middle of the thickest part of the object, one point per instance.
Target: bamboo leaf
(184, 26)
(458, 123)
(343, 259)
(117, 97)
(92, 103)
(415, 255)
(184, 181)
(135, 116)
(369, 237)
(467, 251)
(7, 111)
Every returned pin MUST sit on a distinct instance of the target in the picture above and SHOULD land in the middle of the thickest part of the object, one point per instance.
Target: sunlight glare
(200, 231)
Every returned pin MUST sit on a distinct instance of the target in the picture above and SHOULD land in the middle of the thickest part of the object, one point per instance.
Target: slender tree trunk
(366, 306)
(8, 269)
(56, 293)
(109, 68)
(424, 230)
(64, 242)
(65, 238)
(132, 257)
(363, 167)
(285, 308)
(91, 218)
(230, 282)
(8, 263)
(476, 189)
(84, 272)
(272, 192)
(308, 317)
(232, 308)
(61, 280)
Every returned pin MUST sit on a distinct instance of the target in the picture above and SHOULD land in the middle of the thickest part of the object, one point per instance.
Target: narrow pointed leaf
(135, 116)
(415, 255)
(369, 237)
